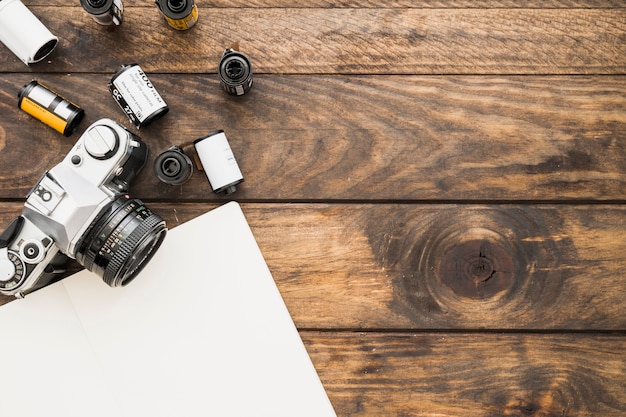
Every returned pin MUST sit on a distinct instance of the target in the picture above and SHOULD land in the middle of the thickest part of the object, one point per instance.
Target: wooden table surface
(438, 187)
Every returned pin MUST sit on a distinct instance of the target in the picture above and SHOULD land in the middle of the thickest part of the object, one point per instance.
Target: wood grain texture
(478, 375)
(438, 186)
(349, 41)
(410, 266)
(372, 138)
(206, 6)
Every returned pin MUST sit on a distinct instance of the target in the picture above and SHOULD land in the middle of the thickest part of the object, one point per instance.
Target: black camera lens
(121, 240)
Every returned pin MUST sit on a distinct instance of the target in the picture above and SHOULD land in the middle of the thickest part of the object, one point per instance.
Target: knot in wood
(476, 268)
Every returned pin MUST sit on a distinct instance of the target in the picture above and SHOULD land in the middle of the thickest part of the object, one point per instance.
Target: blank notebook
(202, 331)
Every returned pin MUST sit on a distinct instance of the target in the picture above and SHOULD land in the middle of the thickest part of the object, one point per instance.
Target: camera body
(80, 209)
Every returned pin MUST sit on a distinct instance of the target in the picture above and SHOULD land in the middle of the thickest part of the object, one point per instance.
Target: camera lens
(121, 240)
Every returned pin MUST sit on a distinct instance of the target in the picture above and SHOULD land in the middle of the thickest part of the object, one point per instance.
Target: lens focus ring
(120, 241)
(134, 251)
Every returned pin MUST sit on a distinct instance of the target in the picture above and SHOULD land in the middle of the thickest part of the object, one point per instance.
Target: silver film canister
(23, 33)
(218, 162)
(136, 96)
(105, 12)
(235, 72)
(173, 166)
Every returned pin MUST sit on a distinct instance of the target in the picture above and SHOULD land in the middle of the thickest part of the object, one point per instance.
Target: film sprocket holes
(218, 162)
(173, 166)
(105, 12)
(81, 209)
(23, 33)
(136, 96)
(50, 108)
(235, 72)
(180, 14)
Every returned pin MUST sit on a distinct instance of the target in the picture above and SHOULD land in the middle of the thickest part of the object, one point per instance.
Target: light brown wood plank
(318, 40)
(476, 374)
(438, 267)
(360, 137)
(405, 4)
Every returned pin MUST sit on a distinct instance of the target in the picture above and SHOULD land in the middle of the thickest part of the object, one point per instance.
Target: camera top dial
(106, 155)
(101, 142)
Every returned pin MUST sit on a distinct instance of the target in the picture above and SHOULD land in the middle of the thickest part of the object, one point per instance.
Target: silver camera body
(80, 209)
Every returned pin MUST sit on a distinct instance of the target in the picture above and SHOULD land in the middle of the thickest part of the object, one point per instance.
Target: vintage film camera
(80, 209)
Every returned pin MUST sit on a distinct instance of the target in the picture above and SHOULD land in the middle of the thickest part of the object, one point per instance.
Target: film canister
(235, 72)
(105, 12)
(180, 14)
(173, 166)
(218, 162)
(23, 33)
(136, 96)
(49, 107)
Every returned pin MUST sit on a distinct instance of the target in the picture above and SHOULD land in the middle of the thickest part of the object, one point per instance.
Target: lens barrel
(121, 240)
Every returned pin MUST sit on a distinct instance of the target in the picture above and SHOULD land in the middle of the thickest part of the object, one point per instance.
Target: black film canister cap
(173, 166)
(235, 71)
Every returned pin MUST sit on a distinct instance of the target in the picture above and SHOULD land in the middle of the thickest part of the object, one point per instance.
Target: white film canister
(23, 33)
(218, 162)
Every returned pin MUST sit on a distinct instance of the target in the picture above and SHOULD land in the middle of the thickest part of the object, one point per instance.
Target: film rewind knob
(101, 142)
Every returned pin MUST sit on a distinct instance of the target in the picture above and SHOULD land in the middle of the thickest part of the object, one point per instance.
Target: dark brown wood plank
(360, 137)
(475, 374)
(438, 267)
(318, 40)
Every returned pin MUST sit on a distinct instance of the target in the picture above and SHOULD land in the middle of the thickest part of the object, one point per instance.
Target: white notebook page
(202, 331)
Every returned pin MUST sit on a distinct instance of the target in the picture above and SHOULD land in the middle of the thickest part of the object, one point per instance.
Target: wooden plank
(388, 266)
(369, 4)
(373, 138)
(482, 375)
(354, 41)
